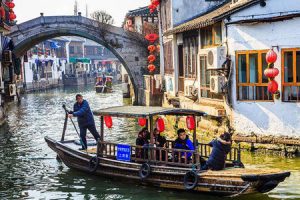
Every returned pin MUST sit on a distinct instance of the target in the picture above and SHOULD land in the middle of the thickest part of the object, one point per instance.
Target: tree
(102, 17)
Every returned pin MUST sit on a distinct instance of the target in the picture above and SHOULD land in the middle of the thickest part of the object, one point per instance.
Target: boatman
(85, 119)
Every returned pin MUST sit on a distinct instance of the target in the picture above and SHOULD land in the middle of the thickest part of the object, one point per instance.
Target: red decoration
(151, 68)
(11, 5)
(155, 2)
(142, 121)
(108, 121)
(151, 48)
(158, 48)
(273, 86)
(190, 122)
(151, 58)
(2, 12)
(271, 56)
(151, 37)
(12, 16)
(103, 62)
(271, 72)
(160, 125)
(152, 7)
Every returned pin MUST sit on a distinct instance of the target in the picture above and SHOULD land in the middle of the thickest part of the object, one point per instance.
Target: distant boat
(104, 84)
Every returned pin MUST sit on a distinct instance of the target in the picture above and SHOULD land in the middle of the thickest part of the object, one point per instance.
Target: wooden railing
(168, 155)
(205, 150)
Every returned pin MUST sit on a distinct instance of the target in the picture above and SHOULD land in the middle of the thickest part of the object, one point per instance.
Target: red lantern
(142, 121)
(151, 48)
(160, 125)
(155, 2)
(151, 68)
(152, 7)
(151, 37)
(158, 48)
(11, 5)
(272, 86)
(271, 72)
(271, 56)
(151, 58)
(108, 121)
(190, 122)
(2, 12)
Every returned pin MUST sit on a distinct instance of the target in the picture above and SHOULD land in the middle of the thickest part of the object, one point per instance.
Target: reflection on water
(28, 168)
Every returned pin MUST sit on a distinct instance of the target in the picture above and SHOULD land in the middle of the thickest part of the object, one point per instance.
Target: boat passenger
(85, 117)
(183, 142)
(160, 141)
(221, 147)
(141, 141)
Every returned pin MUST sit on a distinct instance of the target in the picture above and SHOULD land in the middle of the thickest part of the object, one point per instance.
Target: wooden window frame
(260, 73)
(213, 35)
(289, 84)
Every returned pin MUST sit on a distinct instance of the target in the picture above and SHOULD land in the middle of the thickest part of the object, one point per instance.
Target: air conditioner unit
(215, 57)
(12, 90)
(216, 84)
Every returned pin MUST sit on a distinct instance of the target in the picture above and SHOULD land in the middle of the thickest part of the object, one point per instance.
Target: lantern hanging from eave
(151, 48)
(155, 2)
(108, 121)
(160, 125)
(272, 86)
(151, 37)
(152, 7)
(142, 122)
(151, 68)
(2, 12)
(271, 56)
(11, 5)
(271, 72)
(158, 48)
(151, 58)
(190, 122)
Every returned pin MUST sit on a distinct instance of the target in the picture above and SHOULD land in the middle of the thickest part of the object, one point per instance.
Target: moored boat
(158, 166)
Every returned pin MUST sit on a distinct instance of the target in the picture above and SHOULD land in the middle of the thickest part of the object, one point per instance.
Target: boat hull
(214, 182)
(101, 89)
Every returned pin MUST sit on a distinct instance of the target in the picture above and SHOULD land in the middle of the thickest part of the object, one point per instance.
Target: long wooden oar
(80, 139)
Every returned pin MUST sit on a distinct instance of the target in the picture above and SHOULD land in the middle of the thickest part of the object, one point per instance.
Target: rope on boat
(240, 192)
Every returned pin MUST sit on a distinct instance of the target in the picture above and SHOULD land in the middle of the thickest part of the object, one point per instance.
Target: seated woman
(221, 147)
(183, 142)
(159, 141)
(141, 140)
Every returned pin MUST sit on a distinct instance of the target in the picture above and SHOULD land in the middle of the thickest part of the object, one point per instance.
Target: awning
(77, 60)
(145, 111)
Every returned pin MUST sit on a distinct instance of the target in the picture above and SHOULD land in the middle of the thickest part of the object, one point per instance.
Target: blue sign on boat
(123, 152)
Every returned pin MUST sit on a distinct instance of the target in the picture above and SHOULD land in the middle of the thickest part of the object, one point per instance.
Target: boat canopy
(145, 111)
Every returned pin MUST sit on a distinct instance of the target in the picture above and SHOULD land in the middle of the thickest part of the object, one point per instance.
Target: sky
(29, 9)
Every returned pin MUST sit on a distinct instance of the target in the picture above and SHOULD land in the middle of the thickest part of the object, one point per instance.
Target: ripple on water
(29, 170)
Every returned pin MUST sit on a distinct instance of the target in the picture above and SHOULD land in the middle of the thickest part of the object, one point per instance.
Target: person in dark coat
(221, 147)
(159, 141)
(183, 142)
(85, 119)
(142, 141)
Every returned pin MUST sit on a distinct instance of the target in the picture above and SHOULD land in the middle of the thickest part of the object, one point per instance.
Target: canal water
(29, 169)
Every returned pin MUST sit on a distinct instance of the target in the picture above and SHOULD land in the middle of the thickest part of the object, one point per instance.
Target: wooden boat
(105, 87)
(158, 166)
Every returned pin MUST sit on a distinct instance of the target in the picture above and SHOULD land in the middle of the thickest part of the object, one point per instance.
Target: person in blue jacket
(85, 117)
(183, 142)
(220, 148)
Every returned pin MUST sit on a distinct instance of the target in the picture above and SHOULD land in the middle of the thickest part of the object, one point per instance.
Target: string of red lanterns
(153, 6)
(10, 4)
(152, 37)
(272, 72)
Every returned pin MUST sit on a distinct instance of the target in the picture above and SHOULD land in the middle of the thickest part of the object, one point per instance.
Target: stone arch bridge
(130, 48)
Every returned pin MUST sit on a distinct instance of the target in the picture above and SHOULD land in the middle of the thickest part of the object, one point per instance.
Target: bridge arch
(130, 48)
